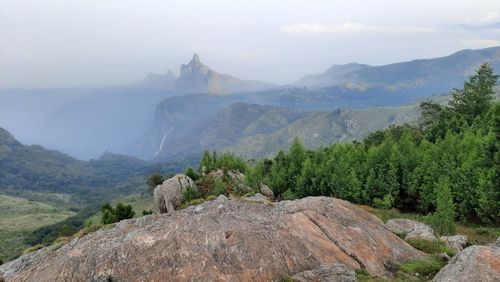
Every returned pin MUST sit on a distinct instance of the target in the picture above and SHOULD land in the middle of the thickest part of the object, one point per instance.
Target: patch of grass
(286, 278)
(19, 217)
(88, 229)
(423, 269)
(386, 214)
(479, 235)
(192, 203)
(430, 247)
(32, 249)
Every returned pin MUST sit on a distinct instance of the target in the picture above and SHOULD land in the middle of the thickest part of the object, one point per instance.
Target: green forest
(447, 166)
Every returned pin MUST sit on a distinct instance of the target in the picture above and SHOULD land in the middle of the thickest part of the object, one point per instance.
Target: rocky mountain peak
(196, 59)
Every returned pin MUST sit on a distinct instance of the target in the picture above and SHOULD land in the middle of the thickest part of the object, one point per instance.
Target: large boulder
(228, 240)
(475, 263)
(168, 195)
(411, 229)
(456, 242)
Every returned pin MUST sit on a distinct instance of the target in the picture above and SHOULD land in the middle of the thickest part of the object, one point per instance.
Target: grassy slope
(19, 217)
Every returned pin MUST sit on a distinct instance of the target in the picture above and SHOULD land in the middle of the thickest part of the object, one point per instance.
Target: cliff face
(223, 240)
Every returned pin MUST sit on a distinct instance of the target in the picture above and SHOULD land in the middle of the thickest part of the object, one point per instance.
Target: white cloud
(480, 43)
(489, 18)
(348, 27)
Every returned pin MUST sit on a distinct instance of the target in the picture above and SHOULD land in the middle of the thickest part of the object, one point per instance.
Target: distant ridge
(428, 76)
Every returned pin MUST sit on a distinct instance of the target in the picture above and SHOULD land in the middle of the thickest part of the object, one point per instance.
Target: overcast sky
(55, 43)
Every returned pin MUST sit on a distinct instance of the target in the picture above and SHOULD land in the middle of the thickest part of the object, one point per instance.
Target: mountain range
(168, 117)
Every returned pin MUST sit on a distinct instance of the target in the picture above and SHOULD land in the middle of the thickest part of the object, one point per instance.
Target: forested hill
(34, 168)
(446, 167)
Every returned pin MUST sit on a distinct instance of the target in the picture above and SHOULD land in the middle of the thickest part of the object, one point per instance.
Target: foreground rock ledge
(224, 240)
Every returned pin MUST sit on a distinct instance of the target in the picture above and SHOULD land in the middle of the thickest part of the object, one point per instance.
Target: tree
(443, 219)
(430, 112)
(191, 173)
(474, 99)
(154, 180)
(112, 215)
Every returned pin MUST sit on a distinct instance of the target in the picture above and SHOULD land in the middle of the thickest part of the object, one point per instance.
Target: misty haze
(249, 140)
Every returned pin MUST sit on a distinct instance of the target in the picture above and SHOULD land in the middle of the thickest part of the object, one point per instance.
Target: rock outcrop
(456, 242)
(475, 263)
(411, 230)
(337, 273)
(226, 241)
(195, 77)
(266, 191)
(168, 195)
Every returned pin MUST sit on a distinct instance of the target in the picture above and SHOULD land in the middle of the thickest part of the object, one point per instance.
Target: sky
(61, 43)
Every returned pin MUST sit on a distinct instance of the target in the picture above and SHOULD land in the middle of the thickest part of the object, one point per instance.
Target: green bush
(154, 180)
(191, 173)
(385, 203)
(289, 195)
(190, 194)
(219, 188)
(146, 212)
(120, 212)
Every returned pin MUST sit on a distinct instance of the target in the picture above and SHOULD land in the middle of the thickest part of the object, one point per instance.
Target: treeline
(449, 162)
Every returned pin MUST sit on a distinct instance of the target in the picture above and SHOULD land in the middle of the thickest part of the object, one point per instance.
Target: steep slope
(224, 240)
(418, 77)
(198, 78)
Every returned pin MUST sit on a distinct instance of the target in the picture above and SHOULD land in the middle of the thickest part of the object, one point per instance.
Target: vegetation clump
(120, 212)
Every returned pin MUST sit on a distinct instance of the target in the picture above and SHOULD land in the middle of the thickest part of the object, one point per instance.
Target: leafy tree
(474, 99)
(190, 194)
(443, 219)
(154, 180)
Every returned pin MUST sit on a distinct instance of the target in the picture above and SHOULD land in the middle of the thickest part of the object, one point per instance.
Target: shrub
(190, 194)
(154, 180)
(146, 212)
(219, 188)
(385, 203)
(289, 195)
(120, 212)
(191, 173)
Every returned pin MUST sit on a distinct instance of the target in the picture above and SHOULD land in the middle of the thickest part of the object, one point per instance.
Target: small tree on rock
(443, 219)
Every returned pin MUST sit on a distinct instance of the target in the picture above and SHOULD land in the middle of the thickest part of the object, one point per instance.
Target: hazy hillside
(416, 78)
(48, 187)
(255, 131)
